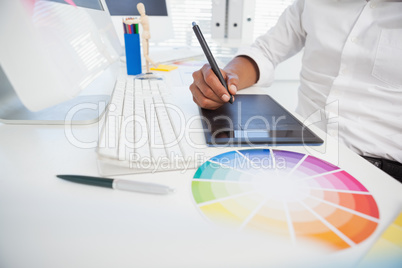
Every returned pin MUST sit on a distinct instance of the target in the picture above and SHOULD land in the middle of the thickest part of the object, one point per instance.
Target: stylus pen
(210, 58)
(142, 187)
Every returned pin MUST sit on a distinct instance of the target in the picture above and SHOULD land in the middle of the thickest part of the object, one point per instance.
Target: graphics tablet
(254, 120)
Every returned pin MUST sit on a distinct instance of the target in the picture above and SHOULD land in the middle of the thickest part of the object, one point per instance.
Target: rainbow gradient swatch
(286, 193)
(387, 250)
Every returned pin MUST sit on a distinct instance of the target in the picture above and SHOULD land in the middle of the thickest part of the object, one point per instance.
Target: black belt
(391, 167)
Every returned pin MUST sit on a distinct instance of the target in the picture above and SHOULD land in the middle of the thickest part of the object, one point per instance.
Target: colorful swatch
(286, 193)
(71, 2)
(387, 250)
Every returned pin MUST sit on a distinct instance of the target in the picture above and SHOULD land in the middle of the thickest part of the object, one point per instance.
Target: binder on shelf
(233, 20)
(241, 19)
(248, 20)
(218, 25)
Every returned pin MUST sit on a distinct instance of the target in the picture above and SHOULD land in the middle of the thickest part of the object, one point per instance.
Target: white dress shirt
(352, 68)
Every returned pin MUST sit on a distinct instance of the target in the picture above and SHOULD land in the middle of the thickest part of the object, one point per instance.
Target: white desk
(48, 222)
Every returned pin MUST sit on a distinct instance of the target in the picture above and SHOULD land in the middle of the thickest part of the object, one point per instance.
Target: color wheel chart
(287, 193)
(387, 250)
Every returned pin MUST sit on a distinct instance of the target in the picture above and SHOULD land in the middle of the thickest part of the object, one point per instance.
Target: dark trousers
(391, 167)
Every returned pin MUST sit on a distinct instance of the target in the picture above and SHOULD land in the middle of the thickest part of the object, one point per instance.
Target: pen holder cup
(133, 54)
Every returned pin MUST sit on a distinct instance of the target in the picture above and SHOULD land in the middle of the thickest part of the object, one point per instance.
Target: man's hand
(207, 90)
(209, 93)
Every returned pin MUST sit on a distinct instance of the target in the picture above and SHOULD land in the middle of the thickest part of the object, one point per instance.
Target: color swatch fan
(387, 250)
(288, 193)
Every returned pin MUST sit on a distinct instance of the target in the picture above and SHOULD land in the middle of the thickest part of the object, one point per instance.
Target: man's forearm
(246, 69)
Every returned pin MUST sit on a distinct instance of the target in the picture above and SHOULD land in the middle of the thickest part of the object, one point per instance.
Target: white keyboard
(141, 131)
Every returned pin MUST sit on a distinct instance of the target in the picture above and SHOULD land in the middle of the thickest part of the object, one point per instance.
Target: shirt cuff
(265, 66)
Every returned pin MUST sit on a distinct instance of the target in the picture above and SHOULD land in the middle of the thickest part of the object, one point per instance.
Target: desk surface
(47, 222)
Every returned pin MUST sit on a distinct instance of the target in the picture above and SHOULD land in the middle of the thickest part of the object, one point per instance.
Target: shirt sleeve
(282, 41)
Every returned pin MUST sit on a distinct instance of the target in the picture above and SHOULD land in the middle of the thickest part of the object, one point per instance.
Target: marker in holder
(133, 53)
